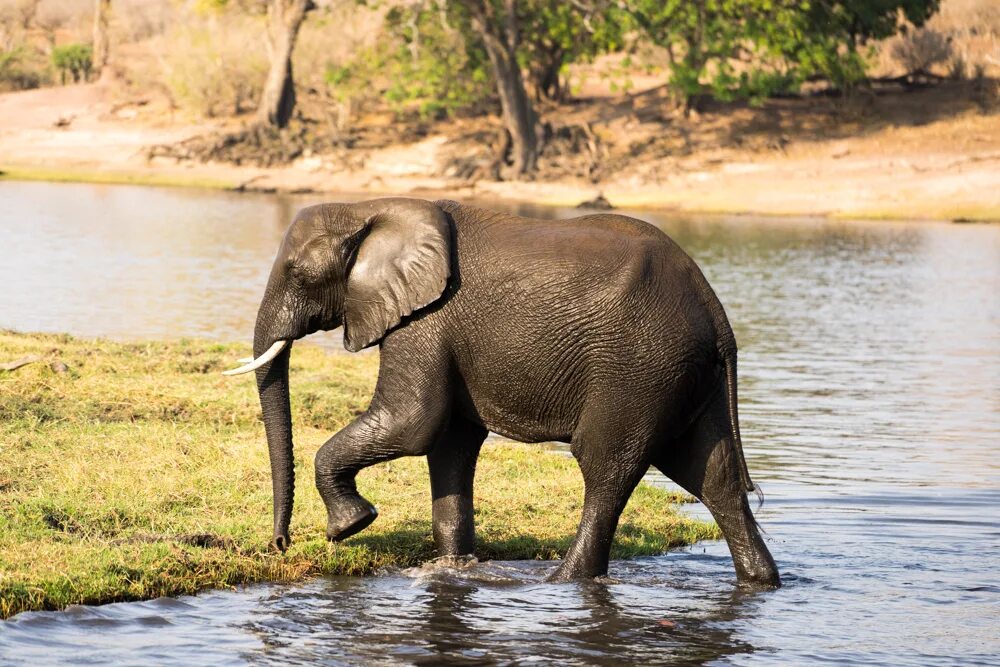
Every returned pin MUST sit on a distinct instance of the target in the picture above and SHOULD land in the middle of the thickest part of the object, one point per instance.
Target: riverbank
(926, 154)
(135, 470)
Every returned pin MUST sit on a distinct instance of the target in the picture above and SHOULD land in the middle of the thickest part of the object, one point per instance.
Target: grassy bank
(134, 470)
(136, 176)
(757, 196)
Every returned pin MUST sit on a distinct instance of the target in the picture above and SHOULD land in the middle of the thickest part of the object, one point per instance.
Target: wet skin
(597, 331)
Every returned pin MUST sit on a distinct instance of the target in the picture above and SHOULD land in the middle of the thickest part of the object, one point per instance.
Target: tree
(450, 49)
(556, 33)
(102, 17)
(284, 18)
(496, 24)
(25, 11)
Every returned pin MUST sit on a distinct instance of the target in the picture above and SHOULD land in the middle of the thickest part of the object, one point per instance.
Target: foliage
(210, 5)
(427, 58)
(245, 6)
(433, 64)
(138, 471)
(9, 60)
(426, 64)
(555, 34)
(833, 32)
(755, 48)
(706, 39)
(858, 21)
(73, 59)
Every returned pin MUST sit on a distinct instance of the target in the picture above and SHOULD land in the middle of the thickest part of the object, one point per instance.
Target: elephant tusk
(270, 354)
(244, 360)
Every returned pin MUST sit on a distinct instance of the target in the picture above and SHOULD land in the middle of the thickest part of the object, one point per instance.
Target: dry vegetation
(136, 470)
(961, 41)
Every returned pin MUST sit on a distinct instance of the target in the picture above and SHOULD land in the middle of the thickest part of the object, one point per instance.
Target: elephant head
(365, 266)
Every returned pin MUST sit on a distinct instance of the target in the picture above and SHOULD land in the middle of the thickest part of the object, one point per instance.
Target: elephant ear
(401, 265)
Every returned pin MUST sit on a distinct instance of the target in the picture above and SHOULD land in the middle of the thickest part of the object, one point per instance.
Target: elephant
(596, 331)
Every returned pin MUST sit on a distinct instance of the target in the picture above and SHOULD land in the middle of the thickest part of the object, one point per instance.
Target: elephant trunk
(272, 385)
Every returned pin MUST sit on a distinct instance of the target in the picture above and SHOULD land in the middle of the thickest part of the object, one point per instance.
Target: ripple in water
(870, 388)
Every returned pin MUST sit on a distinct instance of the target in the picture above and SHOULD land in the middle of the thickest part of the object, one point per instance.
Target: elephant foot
(281, 541)
(762, 580)
(454, 562)
(559, 576)
(353, 515)
(755, 568)
(572, 572)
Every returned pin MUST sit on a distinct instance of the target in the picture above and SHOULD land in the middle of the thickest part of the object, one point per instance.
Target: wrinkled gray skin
(597, 331)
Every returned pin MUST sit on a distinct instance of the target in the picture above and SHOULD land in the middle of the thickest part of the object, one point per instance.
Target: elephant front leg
(452, 465)
(409, 410)
(375, 437)
(337, 465)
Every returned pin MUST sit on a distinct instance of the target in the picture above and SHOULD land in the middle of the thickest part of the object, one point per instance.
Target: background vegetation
(332, 64)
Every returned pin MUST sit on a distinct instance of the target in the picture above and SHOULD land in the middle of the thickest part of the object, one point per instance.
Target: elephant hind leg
(613, 454)
(704, 461)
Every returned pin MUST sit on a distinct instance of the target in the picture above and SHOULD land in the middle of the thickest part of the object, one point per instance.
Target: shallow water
(870, 405)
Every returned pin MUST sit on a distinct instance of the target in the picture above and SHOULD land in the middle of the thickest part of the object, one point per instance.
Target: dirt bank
(931, 153)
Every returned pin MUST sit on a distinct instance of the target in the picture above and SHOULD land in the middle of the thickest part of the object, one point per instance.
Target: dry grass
(139, 471)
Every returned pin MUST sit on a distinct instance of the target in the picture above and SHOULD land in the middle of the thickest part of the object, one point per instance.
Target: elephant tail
(725, 345)
(729, 362)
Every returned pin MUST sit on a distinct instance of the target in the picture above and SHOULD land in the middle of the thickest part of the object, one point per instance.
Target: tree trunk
(277, 100)
(102, 17)
(518, 114)
(500, 37)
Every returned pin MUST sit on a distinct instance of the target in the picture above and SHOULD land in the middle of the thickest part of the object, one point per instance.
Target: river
(870, 408)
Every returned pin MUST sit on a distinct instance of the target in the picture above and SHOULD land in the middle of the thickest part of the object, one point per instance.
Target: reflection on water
(870, 388)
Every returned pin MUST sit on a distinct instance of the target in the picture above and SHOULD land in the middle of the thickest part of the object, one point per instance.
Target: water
(870, 402)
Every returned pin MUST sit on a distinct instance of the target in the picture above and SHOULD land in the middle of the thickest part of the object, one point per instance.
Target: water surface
(870, 404)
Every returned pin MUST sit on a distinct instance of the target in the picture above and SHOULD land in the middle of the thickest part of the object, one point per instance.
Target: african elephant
(597, 331)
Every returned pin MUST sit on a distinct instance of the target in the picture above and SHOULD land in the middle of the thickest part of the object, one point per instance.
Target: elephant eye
(296, 272)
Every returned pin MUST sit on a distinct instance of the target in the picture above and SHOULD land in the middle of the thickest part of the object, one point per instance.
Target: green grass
(78, 175)
(140, 472)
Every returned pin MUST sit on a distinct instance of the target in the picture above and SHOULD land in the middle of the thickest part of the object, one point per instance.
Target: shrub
(219, 69)
(18, 71)
(918, 50)
(73, 59)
